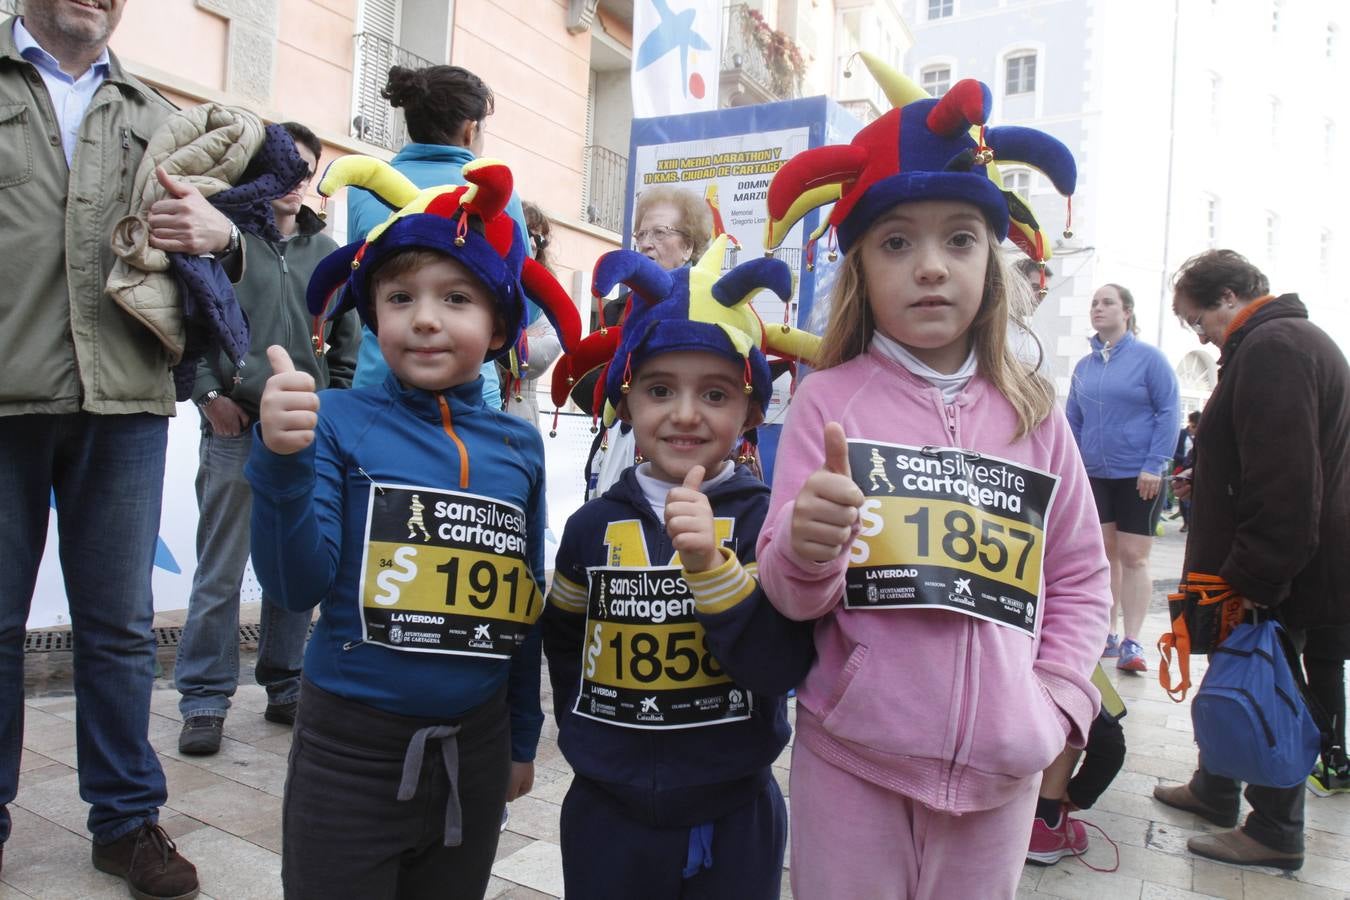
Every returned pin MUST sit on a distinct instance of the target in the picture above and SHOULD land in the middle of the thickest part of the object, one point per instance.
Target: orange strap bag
(1204, 610)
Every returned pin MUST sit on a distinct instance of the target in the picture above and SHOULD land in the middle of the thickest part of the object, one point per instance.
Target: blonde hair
(851, 327)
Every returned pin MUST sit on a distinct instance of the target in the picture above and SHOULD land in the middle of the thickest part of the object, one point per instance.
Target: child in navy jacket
(669, 667)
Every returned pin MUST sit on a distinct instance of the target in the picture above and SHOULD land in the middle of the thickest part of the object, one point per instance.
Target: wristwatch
(233, 245)
(206, 399)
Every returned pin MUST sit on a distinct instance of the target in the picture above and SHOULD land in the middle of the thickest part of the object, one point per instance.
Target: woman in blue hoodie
(1123, 408)
(444, 108)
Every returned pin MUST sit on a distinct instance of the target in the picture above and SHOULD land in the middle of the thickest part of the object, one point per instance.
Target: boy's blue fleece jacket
(679, 777)
(309, 515)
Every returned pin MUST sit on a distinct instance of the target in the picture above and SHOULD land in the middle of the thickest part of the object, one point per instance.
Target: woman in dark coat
(1270, 501)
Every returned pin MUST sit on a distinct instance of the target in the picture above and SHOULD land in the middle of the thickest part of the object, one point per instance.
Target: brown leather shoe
(1181, 797)
(150, 863)
(1241, 849)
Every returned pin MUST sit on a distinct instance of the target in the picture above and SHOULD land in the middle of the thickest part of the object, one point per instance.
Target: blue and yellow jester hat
(467, 222)
(923, 149)
(698, 308)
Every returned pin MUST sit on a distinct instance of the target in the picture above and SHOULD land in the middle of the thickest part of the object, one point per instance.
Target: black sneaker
(150, 863)
(201, 735)
(281, 713)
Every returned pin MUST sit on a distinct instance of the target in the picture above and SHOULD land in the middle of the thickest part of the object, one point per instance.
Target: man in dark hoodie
(1270, 500)
(272, 293)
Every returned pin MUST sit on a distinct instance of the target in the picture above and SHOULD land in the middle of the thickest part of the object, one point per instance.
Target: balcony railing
(746, 63)
(374, 120)
(606, 179)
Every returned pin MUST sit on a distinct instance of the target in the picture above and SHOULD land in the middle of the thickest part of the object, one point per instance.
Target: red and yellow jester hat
(923, 149)
(466, 222)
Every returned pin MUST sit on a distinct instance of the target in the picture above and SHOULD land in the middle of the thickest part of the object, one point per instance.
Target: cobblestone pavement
(224, 811)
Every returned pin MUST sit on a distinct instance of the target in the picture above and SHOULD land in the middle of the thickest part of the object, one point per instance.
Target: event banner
(946, 528)
(446, 572)
(646, 663)
(726, 159)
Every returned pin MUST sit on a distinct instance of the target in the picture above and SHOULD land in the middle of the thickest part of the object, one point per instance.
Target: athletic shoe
(1131, 657)
(1112, 646)
(201, 735)
(1050, 845)
(1324, 782)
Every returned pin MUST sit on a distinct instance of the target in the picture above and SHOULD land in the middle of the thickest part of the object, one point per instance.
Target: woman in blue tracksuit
(1123, 408)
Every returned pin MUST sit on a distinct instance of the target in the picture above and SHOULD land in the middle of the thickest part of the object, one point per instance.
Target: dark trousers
(607, 855)
(1324, 661)
(345, 832)
(1276, 819)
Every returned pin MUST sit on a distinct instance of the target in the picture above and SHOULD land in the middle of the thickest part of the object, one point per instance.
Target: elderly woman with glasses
(1270, 511)
(671, 226)
(1124, 410)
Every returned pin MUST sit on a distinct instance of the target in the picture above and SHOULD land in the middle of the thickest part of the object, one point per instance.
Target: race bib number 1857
(446, 572)
(945, 528)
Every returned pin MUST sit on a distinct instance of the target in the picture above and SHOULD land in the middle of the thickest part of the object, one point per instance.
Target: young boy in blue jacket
(414, 516)
(669, 668)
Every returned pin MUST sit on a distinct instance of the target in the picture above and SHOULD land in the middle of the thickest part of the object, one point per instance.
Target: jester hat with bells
(923, 149)
(466, 222)
(698, 308)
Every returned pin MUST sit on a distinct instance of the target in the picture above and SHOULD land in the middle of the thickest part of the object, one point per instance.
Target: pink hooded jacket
(947, 709)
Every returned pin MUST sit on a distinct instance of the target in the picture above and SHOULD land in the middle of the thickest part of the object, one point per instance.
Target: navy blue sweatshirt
(686, 776)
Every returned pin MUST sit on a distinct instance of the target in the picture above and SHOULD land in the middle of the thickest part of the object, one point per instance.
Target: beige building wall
(294, 59)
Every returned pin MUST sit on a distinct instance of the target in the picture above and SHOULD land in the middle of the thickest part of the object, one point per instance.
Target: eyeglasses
(1197, 324)
(657, 233)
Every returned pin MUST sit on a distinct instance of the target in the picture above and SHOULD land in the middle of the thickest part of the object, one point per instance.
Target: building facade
(1195, 125)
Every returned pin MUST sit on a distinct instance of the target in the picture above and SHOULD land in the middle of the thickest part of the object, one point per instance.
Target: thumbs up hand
(184, 222)
(289, 408)
(827, 506)
(689, 522)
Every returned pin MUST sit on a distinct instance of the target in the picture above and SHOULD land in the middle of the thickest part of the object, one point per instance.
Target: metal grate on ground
(58, 639)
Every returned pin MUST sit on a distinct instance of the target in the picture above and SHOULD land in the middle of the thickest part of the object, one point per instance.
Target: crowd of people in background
(375, 447)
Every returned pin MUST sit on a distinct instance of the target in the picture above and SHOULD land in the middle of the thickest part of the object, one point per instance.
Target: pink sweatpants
(853, 839)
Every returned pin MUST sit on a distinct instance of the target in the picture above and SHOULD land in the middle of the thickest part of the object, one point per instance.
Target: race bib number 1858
(646, 662)
(946, 528)
(446, 572)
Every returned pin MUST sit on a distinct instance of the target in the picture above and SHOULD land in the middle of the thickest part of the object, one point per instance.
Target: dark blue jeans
(107, 474)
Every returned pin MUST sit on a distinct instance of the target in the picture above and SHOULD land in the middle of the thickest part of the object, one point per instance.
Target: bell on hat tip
(749, 388)
(625, 388)
(552, 433)
(768, 254)
(810, 267)
(1042, 292)
(571, 381)
(594, 429)
(832, 256)
(356, 264)
(984, 157)
(1068, 233)
(518, 398)
(459, 241)
(785, 328)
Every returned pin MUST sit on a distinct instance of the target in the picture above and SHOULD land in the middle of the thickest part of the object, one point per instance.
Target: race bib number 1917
(446, 572)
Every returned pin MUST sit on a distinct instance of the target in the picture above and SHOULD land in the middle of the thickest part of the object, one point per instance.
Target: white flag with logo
(677, 57)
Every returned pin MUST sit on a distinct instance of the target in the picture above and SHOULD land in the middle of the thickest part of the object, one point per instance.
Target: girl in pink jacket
(931, 513)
